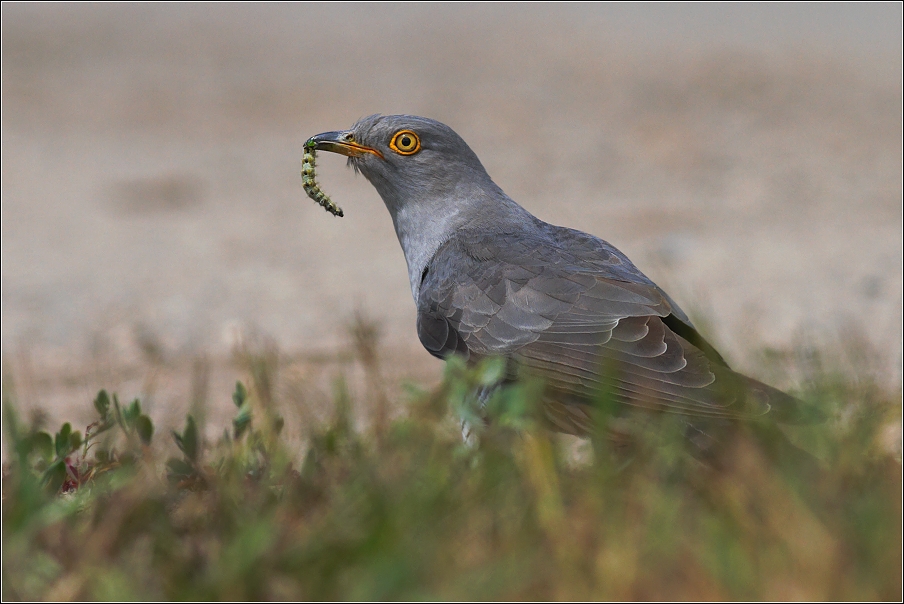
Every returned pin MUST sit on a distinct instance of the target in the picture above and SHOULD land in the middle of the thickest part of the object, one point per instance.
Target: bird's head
(430, 180)
(411, 160)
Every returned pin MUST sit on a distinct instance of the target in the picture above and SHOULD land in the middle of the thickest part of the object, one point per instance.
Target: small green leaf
(178, 469)
(42, 444)
(132, 412)
(145, 428)
(61, 441)
(75, 440)
(240, 395)
(242, 421)
(55, 475)
(102, 403)
(117, 411)
(455, 367)
(188, 443)
(491, 371)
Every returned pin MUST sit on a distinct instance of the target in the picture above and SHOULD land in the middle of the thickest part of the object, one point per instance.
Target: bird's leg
(468, 433)
(468, 436)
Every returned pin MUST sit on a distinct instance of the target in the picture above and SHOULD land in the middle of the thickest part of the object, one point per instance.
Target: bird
(490, 279)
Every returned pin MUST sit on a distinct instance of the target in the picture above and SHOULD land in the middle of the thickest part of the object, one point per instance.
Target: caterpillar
(310, 185)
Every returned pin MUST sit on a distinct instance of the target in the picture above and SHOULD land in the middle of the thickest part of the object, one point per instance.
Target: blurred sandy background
(748, 158)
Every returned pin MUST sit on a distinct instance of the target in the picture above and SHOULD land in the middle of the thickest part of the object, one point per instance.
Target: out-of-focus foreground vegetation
(401, 508)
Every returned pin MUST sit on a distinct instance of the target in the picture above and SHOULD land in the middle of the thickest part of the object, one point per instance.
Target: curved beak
(342, 142)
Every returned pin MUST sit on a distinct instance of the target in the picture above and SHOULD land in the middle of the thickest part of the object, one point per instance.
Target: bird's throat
(421, 230)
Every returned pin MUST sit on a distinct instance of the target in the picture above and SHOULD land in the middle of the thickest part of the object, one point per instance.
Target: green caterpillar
(310, 186)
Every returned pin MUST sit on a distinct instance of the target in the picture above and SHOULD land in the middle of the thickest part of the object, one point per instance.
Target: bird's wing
(574, 310)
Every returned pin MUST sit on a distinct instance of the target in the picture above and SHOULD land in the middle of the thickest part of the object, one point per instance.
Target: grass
(402, 509)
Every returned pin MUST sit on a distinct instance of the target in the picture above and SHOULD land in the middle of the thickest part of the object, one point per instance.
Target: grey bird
(490, 279)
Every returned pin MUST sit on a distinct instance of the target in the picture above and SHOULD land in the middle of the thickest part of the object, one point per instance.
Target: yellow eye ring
(405, 142)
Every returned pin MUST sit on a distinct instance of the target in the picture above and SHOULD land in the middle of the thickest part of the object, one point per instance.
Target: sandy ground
(153, 222)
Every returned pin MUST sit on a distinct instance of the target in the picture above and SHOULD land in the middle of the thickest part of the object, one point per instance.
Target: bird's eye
(405, 142)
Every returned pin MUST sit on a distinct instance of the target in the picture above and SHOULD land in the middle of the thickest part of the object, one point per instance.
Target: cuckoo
(490, 279)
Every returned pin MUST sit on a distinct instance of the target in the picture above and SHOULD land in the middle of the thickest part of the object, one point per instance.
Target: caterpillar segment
(310, 185)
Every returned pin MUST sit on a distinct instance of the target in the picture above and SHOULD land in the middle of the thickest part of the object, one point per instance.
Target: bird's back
(574, 310)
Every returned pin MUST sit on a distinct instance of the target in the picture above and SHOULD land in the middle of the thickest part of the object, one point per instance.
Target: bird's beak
(342, 142)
